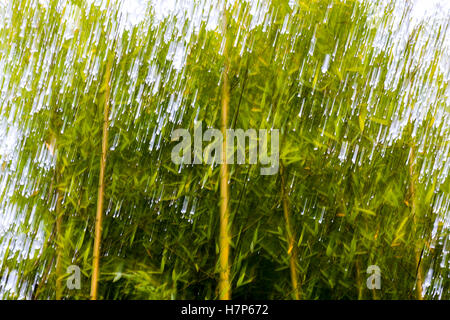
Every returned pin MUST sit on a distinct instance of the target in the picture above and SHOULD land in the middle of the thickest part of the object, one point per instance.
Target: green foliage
(364, 141)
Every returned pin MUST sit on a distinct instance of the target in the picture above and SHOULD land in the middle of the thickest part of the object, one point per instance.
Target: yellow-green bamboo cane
(224, 238)
(292, 246)
(101, 186)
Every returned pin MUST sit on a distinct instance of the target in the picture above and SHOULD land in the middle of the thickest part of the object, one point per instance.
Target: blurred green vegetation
(363, 115)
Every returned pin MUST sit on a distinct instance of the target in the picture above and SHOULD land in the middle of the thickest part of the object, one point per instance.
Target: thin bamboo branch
(412, 192)
(59, 246)
(101, 187)
(418, 248)
(358, 280)
(52, 146)
(47, 244)
(292, 247)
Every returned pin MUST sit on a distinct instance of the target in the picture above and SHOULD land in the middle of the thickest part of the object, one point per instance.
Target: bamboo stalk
(418, 251)
(412, 194)
(358, 280)
(52, 146)
(101, 187)
(56, 232)
(40, 284)
(224, 238)
(59, 246)
(292, 247)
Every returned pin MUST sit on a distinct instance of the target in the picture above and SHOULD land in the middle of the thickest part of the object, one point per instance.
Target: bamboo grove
(88, 104)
